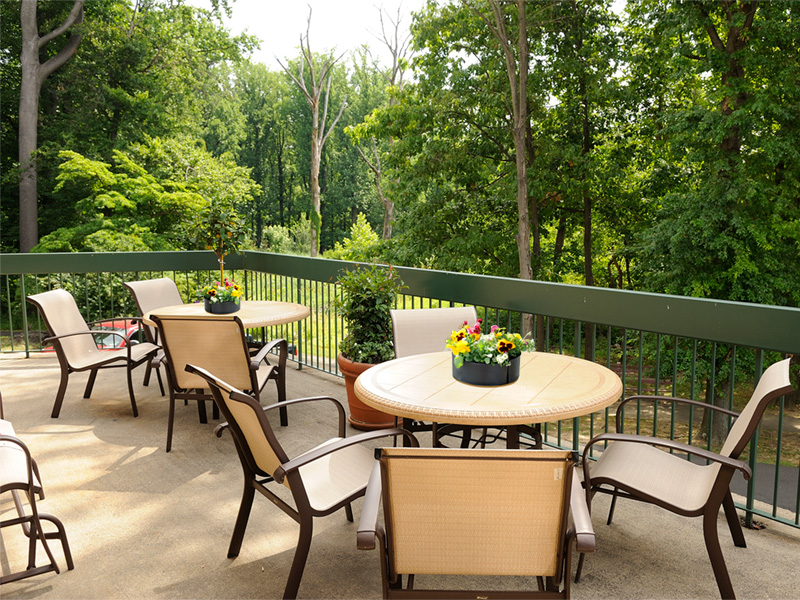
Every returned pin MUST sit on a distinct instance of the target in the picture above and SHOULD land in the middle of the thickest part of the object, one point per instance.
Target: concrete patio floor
(146, 524)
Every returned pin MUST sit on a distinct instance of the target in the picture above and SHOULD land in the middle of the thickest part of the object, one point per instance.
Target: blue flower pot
(483, 374)
(221, 308)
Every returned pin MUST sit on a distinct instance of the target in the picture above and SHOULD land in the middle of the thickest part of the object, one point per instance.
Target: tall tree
(313, 85)
(398, 48)
(34, 73)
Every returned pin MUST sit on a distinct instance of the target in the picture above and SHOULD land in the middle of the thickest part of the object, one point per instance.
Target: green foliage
(368, 294)
(148, 199)
(363, 245)
(220, 228)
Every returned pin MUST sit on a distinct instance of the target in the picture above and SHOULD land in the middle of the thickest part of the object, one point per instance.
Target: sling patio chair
(150, 294)
(634, 466)
(218, 344)
(19, 473)
(321, 480)
(452, 511)
(423, 330)
(75, 346)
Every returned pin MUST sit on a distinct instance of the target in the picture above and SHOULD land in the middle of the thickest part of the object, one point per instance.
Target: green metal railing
(659, 344)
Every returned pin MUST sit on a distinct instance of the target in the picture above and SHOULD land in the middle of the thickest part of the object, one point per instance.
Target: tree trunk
(316, 155)
(33, 75)
(319, 77)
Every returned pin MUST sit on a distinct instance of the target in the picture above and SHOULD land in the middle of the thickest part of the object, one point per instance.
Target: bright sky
(342, 25)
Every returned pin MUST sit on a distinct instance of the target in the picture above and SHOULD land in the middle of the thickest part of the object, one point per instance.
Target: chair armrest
(283, 350)
(674, 400)
(6, 441)
(308, 457)
(368, 524)
(581, 518)
(158, 358)
(219, 429)
(726, 461)
(53, 338)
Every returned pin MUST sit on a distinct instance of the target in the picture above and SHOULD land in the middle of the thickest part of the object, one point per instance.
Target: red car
(107, 338)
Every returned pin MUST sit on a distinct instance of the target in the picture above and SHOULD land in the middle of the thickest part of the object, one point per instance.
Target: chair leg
(715, 554)
(201, 411)
(280, 383)
(611, 508)
(242, 518)
(170, 421)
(90, 384)
(160, 383)
(579, 569)
(300, 557)
(733, 521)
(130, 390)
(62, 390)
(60, 534)
(348, 511)
(148, 367)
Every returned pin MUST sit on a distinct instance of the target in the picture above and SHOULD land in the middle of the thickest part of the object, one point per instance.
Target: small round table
(253, 313)
(551, 387)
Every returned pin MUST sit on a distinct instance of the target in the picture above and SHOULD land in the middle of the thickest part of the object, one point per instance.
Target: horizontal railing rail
(710, 350)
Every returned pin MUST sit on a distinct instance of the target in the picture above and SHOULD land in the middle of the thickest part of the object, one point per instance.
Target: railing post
(24, 316)
(299, 346)
(751, 484)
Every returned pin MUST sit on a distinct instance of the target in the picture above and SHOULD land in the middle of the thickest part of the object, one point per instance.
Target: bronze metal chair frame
(720, 494)
(113, 361)
(31, 524)
(256, 479)
(276, 373)
(573, 502)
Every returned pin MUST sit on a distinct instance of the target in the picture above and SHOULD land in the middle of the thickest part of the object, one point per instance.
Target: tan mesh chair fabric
(151, 294)
(19, 477)
(76, 347)
(634, 466)
(423, 330)
(476, 512)
(218, 345)
(321, 480)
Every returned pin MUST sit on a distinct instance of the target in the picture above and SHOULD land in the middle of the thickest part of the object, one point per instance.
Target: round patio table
(253, 313)
(551, 387)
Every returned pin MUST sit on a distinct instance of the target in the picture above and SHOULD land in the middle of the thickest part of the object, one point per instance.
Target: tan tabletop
(551, 387)
(252, 313)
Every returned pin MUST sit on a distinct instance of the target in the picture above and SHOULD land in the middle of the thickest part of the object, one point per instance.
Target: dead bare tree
(33, 75)
(398, 48)
(320, 74)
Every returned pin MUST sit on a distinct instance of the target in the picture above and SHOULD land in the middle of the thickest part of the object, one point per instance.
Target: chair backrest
(216, 344)
(423, 330)
(476, 512)
(258, 447)
(151, 294)
(774, 383)
(61, 315)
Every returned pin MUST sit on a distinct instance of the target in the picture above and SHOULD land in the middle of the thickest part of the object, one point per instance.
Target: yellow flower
(460, 347)
(505, 345)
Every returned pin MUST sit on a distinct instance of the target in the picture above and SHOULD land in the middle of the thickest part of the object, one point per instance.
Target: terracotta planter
(361, 416)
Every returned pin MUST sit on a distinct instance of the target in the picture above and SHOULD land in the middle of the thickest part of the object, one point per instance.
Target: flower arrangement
(227, 291)
(497, 347)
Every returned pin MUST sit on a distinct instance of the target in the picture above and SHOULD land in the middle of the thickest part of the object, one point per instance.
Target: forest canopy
(650, 145)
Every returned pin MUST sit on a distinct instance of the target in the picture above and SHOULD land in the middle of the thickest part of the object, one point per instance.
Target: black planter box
(483, 374)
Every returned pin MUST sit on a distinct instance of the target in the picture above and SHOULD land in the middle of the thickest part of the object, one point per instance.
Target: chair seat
(650, 471)
(337, 476)
(104, 357)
